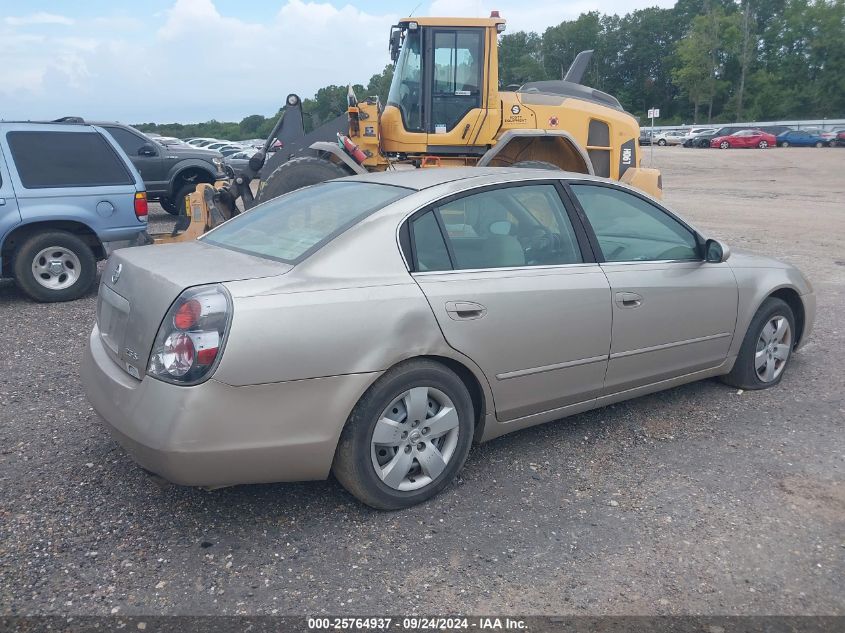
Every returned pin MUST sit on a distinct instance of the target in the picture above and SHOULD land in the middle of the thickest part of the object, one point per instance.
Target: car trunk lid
(139, 285)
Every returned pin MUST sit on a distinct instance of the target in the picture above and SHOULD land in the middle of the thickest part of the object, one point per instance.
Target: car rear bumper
(213, 434)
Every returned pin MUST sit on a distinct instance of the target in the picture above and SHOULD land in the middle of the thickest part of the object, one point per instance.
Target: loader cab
(444, 71)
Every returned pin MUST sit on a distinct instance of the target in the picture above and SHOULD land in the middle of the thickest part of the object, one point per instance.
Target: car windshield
(293, 226)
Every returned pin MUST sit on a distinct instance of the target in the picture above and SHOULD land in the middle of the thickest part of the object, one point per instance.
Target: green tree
(563, 42)
(520, 58)
(702, 55)
(249, 125)
(379, 84)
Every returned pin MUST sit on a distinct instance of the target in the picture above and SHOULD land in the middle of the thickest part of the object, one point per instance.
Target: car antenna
(414, 10)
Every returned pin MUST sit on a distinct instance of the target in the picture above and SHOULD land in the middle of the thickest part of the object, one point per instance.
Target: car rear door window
(629, 228)
(293, 226)
(510, 227)
(49, 159)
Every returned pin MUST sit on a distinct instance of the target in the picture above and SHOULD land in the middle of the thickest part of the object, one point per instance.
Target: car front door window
(629, 228)
(673, 313)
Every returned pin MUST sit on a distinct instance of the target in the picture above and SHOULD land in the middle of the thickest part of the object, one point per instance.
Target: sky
(164, 61)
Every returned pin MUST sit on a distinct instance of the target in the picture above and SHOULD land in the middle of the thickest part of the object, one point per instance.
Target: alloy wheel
(773, 348)
(415, 438)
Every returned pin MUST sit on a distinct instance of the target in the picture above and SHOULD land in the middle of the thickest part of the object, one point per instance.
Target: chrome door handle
(465, 310)
(2, 202)
(628, 300)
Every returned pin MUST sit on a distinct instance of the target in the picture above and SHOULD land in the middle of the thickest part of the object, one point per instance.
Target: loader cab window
(406, 87)
(456, 76)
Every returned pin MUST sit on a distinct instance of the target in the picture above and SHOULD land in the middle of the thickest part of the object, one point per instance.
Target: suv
(170, 173)
(68, 196)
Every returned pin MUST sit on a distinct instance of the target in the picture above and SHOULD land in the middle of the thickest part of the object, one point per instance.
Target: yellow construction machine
(444, 109)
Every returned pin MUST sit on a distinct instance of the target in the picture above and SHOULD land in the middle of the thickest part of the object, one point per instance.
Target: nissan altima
(375, 326)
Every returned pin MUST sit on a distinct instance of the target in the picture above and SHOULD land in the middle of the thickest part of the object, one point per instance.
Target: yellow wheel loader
(444, 109)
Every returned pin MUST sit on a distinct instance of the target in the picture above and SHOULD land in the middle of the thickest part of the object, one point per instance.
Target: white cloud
(38, 18)
(197, 65)
(537, 16)
(192, 63)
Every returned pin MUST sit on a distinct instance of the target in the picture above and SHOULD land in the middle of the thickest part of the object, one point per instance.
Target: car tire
(535, 164)
(819, 144)
(662, 143)
(297, 173)
(724, 145)
(784, 143)
(757, 348)
(763, 144)
(73, 272)
(385, 407)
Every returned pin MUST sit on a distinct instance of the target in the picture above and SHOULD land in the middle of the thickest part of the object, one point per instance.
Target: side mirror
(395, 43)
(716, 252)
(146, 150)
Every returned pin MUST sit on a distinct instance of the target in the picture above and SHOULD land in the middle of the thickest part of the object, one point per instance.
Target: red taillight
(206, 356)
(141, 204)
(187, 315)
(190, 340)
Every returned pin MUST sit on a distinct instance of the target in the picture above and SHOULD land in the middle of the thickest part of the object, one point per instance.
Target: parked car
(670, 137)
(238, 160)
(169, 141)
(775, 129)
(374, 326)
(703, 139)
(801, 138)
(696, 133)
(839, 139)
(228, 150)
(69, 195)
(198, 142)
(170, 173)
(744, 138)
(216, 146)
(645, 137)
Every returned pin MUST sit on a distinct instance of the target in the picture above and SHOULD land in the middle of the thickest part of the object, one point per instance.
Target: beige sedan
(375, 326)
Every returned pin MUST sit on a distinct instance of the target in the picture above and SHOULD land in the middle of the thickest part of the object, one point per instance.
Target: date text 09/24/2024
(415, 623)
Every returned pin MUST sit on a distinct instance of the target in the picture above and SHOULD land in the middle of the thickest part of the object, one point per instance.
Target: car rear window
(293, 226)
(49, 159)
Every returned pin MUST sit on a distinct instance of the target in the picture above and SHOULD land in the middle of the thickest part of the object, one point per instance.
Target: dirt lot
(697, 500)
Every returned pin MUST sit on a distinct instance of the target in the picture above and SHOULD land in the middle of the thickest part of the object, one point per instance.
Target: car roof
(419, 179)
(35, 125)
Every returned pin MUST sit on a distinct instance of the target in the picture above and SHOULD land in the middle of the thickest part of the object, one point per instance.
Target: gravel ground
(696, 500)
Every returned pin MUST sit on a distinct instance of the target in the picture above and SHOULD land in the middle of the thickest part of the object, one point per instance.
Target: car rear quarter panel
(351, 308)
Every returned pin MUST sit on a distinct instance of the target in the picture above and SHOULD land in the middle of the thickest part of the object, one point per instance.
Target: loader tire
(297, 173)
